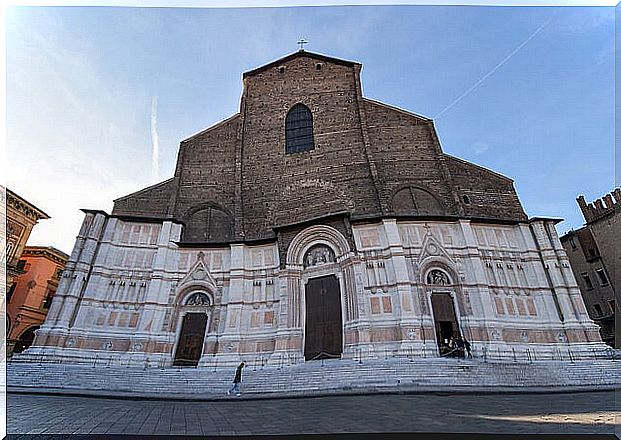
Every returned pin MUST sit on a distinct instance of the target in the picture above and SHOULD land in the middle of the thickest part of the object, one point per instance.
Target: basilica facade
(314, 223)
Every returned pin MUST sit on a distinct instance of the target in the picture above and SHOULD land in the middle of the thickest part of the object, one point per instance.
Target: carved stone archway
(442, 293)
(314, 235)
(315, 268)
(193, 315)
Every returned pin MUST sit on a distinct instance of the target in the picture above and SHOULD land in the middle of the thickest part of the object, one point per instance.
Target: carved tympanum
(318, 255)
(198, 299)
(438, 277)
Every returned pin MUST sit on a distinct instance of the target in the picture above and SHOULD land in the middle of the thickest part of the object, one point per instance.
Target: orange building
(21, 217)
(34, 290)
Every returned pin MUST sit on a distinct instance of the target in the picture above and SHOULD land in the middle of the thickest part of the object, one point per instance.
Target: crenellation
(593, 251)
(602, 207)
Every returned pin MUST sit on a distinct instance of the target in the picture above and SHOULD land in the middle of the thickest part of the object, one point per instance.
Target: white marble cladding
(125, 286)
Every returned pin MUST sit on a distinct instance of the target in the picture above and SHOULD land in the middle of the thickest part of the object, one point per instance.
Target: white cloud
(480, 147)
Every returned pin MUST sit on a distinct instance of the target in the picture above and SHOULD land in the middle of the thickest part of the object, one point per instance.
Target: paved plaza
(567, 413)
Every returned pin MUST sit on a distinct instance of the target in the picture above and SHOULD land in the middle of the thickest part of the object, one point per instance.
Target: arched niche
(438, 271)
(413, 200)
(197, 299)
(314, 236)
(318, 255)
(209, 223)
(438, 277)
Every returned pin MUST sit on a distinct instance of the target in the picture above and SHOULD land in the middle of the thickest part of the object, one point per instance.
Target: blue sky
(81, 83)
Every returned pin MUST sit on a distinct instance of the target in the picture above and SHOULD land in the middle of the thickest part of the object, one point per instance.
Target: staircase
(313, 378)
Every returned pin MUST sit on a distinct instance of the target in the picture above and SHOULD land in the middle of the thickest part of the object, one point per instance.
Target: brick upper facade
(370, 160)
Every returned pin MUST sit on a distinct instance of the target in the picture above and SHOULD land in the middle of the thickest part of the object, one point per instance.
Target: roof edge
(299, 53)
(40, 213)
(211, 127)
(538, 218)
(47, 250)
(497, 174)
(397, 109)
(135, 193)
(132, 218)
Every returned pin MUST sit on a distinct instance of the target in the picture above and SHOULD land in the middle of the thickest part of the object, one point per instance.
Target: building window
(9, 292)
(598, 310)
(466, 200)
(603, 279)
(48, 299)
(22, 265)
(572, 242)
(9, 250)
(587, 281)
(299, 129)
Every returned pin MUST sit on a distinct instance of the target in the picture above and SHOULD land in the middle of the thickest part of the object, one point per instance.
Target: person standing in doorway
(452, 347)
(459, 343)
(468, 348)
(236, 388)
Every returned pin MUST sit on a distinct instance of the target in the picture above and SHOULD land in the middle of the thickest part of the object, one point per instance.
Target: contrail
(498, 66)
(155, 151)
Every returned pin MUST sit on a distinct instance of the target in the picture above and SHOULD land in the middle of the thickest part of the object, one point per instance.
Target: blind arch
(208, 224)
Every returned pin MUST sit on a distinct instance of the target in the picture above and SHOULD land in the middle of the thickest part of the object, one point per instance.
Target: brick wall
(149, 202)
(607, 234)
(490, 195)
(366, 156)
(280, 188)
(406, 153)
(205, 171)
(586, 260)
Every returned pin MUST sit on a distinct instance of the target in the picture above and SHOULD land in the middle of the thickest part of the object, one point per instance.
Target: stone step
(313, 376)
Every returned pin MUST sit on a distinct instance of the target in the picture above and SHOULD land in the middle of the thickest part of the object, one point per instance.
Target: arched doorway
(444, 315)
(324, 320)
(191, 339)
(25, 340)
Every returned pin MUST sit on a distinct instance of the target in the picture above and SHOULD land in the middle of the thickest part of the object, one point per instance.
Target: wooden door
(324, 323)
(190, 346)
(444, 317)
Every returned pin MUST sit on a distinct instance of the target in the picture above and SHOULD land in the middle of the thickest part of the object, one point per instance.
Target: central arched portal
(324, 321)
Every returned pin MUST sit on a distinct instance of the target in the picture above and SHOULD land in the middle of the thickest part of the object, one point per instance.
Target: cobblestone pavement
(588, 412)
